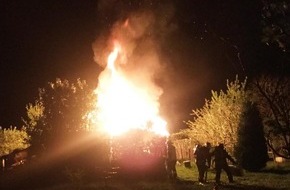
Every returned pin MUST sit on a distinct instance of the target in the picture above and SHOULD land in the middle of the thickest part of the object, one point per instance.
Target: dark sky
(43, 40)
(39, 42)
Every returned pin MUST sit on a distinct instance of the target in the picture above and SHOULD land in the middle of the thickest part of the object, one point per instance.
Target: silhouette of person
(171, 161)
(221, 156)
(202, 155)
(209, 151)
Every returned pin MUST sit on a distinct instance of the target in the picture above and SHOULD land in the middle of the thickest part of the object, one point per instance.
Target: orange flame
(122, 106)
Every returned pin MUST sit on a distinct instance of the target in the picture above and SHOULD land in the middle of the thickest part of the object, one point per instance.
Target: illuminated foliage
(11, 139)
(35, 115)
(61, 108)
(272, 95)
(218, 120)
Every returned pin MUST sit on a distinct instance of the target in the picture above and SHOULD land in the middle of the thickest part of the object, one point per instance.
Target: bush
(12, 139)
(251, 148)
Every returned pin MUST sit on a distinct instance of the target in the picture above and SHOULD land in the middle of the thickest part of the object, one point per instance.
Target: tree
(12, 139)
(275, 22)
(219, 118)
(272, 95)
(61, 108)
(251, 148)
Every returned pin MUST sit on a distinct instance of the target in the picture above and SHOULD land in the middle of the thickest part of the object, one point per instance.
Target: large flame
(123, 105)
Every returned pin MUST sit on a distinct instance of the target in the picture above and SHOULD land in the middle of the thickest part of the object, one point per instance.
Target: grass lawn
(273, 177)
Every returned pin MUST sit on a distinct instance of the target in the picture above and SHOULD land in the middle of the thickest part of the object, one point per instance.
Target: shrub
(11, 139)
(251, 148)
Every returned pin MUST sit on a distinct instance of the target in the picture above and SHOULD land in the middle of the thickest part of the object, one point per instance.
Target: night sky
(211, 41)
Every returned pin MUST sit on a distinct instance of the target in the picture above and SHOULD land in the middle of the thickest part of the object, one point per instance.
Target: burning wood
(125, 102)
(127, 106)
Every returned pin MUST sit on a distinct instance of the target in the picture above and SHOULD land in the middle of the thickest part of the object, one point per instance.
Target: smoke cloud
(139, 32)
(141, 27)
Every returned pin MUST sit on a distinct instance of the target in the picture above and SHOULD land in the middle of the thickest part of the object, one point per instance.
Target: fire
(124, 104)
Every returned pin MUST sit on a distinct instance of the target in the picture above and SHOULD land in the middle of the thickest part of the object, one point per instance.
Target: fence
(184, 149)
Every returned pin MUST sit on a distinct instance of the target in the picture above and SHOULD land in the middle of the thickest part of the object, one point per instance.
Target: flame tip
(129, 106)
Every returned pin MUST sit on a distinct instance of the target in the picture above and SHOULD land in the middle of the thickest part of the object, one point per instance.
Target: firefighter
(171, 161)
(202, 155)
(221, 156)
(209, 151)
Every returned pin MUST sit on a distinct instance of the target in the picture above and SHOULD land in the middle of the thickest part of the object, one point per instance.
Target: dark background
(214, 41)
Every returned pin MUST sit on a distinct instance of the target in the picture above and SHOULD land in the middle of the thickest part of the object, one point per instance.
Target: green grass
(273, 177)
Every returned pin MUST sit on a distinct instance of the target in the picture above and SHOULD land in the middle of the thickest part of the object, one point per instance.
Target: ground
(273, 177)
